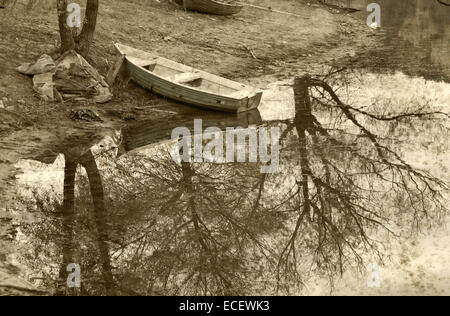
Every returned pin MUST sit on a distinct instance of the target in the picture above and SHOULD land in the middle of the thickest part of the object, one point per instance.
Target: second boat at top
(213, 6)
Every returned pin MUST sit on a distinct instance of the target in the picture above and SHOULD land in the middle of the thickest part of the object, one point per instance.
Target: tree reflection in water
(352, 180)
(225, 229)
(87, 160)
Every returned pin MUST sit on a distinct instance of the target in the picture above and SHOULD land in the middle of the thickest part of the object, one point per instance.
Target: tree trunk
(86, 36)
(66, 34)
(70, 37)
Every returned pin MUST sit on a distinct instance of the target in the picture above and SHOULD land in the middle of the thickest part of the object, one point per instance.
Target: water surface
(416, 36)
(137, 222)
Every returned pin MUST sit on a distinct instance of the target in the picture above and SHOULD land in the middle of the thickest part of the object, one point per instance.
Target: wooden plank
(184, 77)
(114, 70)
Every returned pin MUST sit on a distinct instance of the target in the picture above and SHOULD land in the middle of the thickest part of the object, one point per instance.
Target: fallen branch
(251, 52)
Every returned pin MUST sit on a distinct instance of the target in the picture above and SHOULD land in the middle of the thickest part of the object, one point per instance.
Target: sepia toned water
(350, 190)
(138, 223)
(416, 36)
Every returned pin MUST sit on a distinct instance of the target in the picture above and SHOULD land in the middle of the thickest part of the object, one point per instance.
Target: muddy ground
(256, 47)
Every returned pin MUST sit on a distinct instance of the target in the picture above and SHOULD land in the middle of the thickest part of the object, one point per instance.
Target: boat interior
(192, 78)
(187, 76)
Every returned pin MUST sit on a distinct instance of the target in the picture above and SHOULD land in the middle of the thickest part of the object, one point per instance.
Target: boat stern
(251, 103)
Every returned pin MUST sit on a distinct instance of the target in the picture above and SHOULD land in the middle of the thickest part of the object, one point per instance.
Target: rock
(2, 106)
(22, 102)
(43, 85)
(77, 78)
(70, 77)
(43, 65)
(104, 95)
(71, 61)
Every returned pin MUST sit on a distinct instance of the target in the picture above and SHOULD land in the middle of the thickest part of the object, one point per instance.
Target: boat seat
(184, 77)
(141, 62)
(244, 92)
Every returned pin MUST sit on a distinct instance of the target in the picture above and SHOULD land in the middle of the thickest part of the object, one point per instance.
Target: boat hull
(187, 94)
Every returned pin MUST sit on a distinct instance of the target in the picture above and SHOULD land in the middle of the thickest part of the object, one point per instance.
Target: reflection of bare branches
(343, 179)
(204, 216)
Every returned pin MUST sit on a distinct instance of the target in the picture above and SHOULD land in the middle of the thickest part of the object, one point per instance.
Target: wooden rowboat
(212, 6)
(186, 84)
